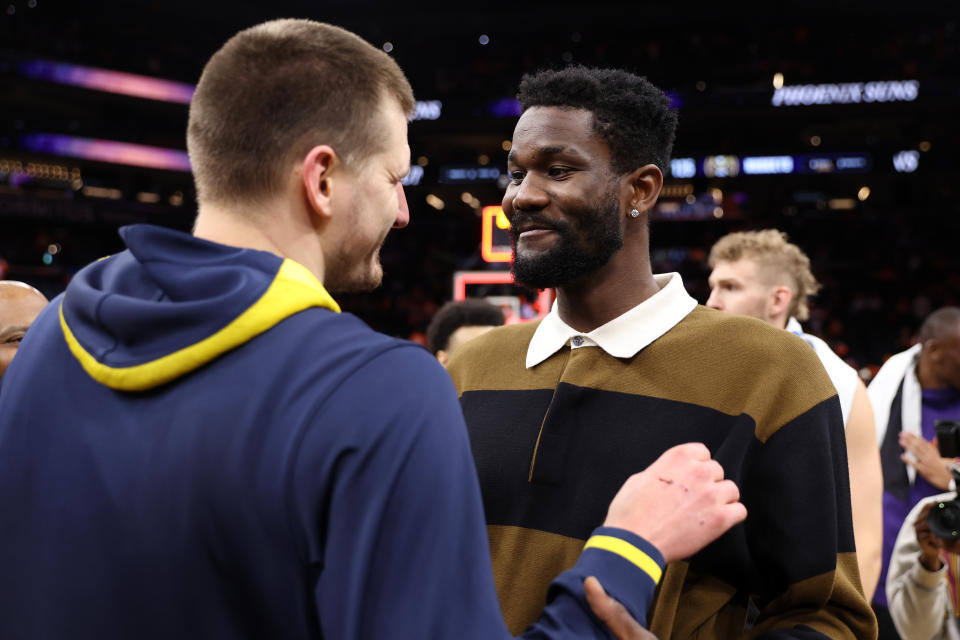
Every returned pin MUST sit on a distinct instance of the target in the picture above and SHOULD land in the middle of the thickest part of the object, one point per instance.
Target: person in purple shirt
(913, 390)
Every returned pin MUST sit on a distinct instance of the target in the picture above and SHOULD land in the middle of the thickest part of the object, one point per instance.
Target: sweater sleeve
(917, 598)
(388, 512)
(800, 532)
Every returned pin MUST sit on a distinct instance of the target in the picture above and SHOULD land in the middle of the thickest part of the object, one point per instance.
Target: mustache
(540, 220)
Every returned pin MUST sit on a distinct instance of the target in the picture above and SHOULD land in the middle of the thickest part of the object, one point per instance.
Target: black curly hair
(464, 313)
(630, 114)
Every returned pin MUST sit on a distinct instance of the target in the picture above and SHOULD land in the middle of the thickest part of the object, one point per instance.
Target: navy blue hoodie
(196, 443)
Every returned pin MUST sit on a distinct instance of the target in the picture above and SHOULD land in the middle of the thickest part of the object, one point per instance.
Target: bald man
(19, 306)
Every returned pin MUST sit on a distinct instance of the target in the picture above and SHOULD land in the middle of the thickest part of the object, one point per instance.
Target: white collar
(793, 326)
(625, 335)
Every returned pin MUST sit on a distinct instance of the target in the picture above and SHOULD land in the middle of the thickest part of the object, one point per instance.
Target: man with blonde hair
(780, 266)
(761, 274)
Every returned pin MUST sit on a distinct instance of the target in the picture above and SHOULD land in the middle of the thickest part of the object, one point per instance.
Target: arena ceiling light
(119, 82)
(138, 86)
(137, 155)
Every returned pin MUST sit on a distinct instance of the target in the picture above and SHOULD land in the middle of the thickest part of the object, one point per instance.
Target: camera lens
(944, 520)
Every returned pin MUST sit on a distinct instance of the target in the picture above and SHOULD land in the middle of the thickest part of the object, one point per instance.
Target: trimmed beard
(580, 249)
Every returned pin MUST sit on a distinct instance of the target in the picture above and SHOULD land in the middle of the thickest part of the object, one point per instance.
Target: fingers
(917, 446)
(693, 458)
(722, 517)
(680, 503)
(715, 470)
(728, 491)
(734, 514)
(611, 613)
(694, 450)
(595, 595)
(912, 461)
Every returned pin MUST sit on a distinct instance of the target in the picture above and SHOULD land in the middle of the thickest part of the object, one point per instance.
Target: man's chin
(361, 283)
(531, 277)
(554, 269)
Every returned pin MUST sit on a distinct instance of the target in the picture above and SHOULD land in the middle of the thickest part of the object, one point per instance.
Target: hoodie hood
(171, 303)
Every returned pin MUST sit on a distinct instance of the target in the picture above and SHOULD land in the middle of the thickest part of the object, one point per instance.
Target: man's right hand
(929, 544)
(679, 504)
(613, 614)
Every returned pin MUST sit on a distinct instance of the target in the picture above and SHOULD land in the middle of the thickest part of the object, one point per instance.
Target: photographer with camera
(922, 582)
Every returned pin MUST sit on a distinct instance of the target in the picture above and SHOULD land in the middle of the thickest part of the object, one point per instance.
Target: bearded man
(625, 366)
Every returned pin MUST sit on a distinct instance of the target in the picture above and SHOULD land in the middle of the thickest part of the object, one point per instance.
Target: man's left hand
(613, 614)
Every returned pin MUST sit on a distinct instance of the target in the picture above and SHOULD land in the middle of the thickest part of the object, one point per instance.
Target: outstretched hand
(925, 458)
(679, 504)
(613, 614)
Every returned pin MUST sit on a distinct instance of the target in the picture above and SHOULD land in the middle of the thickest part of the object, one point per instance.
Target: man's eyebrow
(548, 150)
(8, 331)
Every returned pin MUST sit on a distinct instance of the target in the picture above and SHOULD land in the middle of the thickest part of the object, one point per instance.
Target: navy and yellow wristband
(627, 566)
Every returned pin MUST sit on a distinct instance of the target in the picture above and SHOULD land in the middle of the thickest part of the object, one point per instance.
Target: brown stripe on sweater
(709, 359)
(539, 558)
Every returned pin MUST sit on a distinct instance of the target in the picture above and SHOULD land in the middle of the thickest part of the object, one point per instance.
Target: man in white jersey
(760, 274)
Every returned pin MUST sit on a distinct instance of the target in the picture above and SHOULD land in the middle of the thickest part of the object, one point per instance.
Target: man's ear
(319, 165)
(443, 357)
(780, 300)
(644, 186)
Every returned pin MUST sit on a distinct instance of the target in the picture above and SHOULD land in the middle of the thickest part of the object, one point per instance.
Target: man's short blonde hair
(779, 261)
(276, 90)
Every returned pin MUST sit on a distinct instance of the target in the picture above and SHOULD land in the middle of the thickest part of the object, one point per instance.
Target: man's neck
(605, 294)
(269, 229)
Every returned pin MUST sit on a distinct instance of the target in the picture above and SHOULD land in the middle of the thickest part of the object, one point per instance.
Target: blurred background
(834, 122)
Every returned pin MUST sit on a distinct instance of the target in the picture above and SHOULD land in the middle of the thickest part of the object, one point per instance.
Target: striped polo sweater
(555, 441)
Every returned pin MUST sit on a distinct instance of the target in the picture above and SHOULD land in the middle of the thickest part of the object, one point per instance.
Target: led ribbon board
(846, 93)
(468, 174)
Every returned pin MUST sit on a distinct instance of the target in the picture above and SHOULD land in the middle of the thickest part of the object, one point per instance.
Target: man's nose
(714, 300)
(403, 211)
(529, 196)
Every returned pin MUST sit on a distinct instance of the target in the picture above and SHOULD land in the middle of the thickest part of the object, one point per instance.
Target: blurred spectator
(458, 322)
(20, 304)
